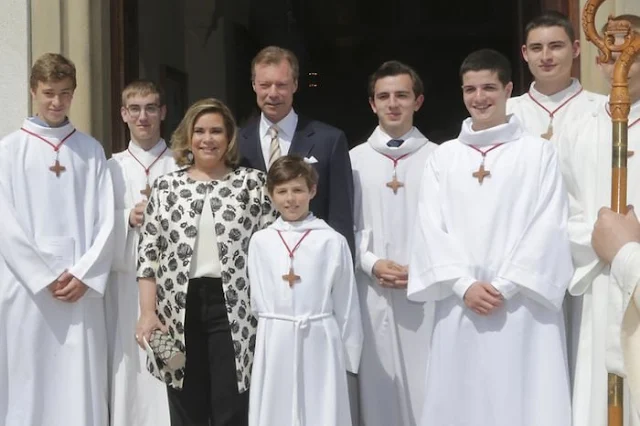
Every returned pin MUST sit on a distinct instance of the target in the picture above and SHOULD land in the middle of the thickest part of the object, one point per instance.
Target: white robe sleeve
(29, 265)
(94, 265)
(346, 309)
(625, 270)
(438, 267)
(586, 262)
(365, 258)
(125, 241)
(540, 263)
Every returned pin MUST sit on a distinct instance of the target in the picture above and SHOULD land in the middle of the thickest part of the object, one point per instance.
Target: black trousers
(209, 396)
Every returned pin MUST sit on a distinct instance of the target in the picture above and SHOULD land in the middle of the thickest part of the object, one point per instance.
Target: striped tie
(274, 147)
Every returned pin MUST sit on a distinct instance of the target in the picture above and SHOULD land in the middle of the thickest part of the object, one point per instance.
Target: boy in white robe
(554, 99)
(554, 102)
(304, 294)
(585, 151)
(136, 397)
(491, 248)
(386, 173)
(56, 205)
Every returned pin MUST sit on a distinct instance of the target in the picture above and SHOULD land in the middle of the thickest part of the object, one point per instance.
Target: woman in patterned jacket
(192, 269)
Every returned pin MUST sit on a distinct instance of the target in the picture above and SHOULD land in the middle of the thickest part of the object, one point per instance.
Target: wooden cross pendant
(57, 168)
(291, 277)
(146, 191)
(549, 133)
(395, 184)
(481, 174)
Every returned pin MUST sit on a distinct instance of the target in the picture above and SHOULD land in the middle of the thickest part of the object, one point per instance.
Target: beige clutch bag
(165, 350)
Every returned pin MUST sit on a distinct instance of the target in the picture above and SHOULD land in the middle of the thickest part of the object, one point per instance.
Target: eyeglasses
(135, 110)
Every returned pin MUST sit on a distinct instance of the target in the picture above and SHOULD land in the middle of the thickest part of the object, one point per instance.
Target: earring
(190, 157)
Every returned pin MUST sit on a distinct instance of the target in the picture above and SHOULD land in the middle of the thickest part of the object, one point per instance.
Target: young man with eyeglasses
(136, 397)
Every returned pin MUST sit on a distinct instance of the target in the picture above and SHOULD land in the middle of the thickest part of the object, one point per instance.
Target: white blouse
(205, 261)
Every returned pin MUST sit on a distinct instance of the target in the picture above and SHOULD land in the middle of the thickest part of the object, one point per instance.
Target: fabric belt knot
(299, 323)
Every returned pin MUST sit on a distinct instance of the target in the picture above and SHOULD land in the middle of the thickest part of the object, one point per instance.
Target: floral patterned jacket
(240, 206)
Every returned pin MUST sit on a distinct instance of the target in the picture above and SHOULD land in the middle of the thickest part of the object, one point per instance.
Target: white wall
(15, 64)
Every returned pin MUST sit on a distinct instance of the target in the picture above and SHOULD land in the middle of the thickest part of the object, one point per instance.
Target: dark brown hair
(288, 168)
(391, 69)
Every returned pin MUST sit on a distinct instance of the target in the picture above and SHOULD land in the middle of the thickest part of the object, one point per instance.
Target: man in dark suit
(280, 131)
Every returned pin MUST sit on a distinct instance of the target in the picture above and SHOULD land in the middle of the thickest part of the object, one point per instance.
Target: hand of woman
(147, 323)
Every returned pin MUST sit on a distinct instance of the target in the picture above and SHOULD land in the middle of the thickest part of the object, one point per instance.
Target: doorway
(339, 44)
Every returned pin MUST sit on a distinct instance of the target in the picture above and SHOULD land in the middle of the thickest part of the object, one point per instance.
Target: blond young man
(56, 204)
(136, 397)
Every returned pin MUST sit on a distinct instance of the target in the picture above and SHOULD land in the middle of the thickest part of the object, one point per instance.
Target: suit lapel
(252, 149)
(302, 143)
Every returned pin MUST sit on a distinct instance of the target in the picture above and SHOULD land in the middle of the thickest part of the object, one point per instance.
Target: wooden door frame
(124, 63)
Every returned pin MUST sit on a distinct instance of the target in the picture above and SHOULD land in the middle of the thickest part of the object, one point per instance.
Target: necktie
(274, 147)
(394, 143)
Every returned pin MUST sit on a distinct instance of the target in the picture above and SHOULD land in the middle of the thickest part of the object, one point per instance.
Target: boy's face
(52, 100)
(144, 115)
(485, 98)
(292, 199)
(549, 53)
(395, 103)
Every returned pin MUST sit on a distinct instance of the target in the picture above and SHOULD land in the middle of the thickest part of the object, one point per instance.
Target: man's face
(395, 103)
(549, 53)
(485, 98)
(52, 100)
(144, 115)
(274, 86)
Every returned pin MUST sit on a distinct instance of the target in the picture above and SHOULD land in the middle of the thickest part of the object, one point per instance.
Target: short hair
(52, 67)
(393, 68)
(488, 59)
(288, 168)
(550, 18)
(634, 20)
(142, 88)
(273, 55)
(181, 138)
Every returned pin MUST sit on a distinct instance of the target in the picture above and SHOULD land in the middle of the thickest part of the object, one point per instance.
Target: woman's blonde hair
(181, 138)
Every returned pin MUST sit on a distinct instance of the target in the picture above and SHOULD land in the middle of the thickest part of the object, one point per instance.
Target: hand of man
(390, 274)
(137, 214)
(70, 288)
(60, 282)
(483, 298)
(612, 231)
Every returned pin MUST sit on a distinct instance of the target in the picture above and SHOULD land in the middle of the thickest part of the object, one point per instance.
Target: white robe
(136, 397)
(508, 368)
(536, 120)
(585, 156)
(53, 354)
(625, 272)
(309, 335)
(396, 330)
